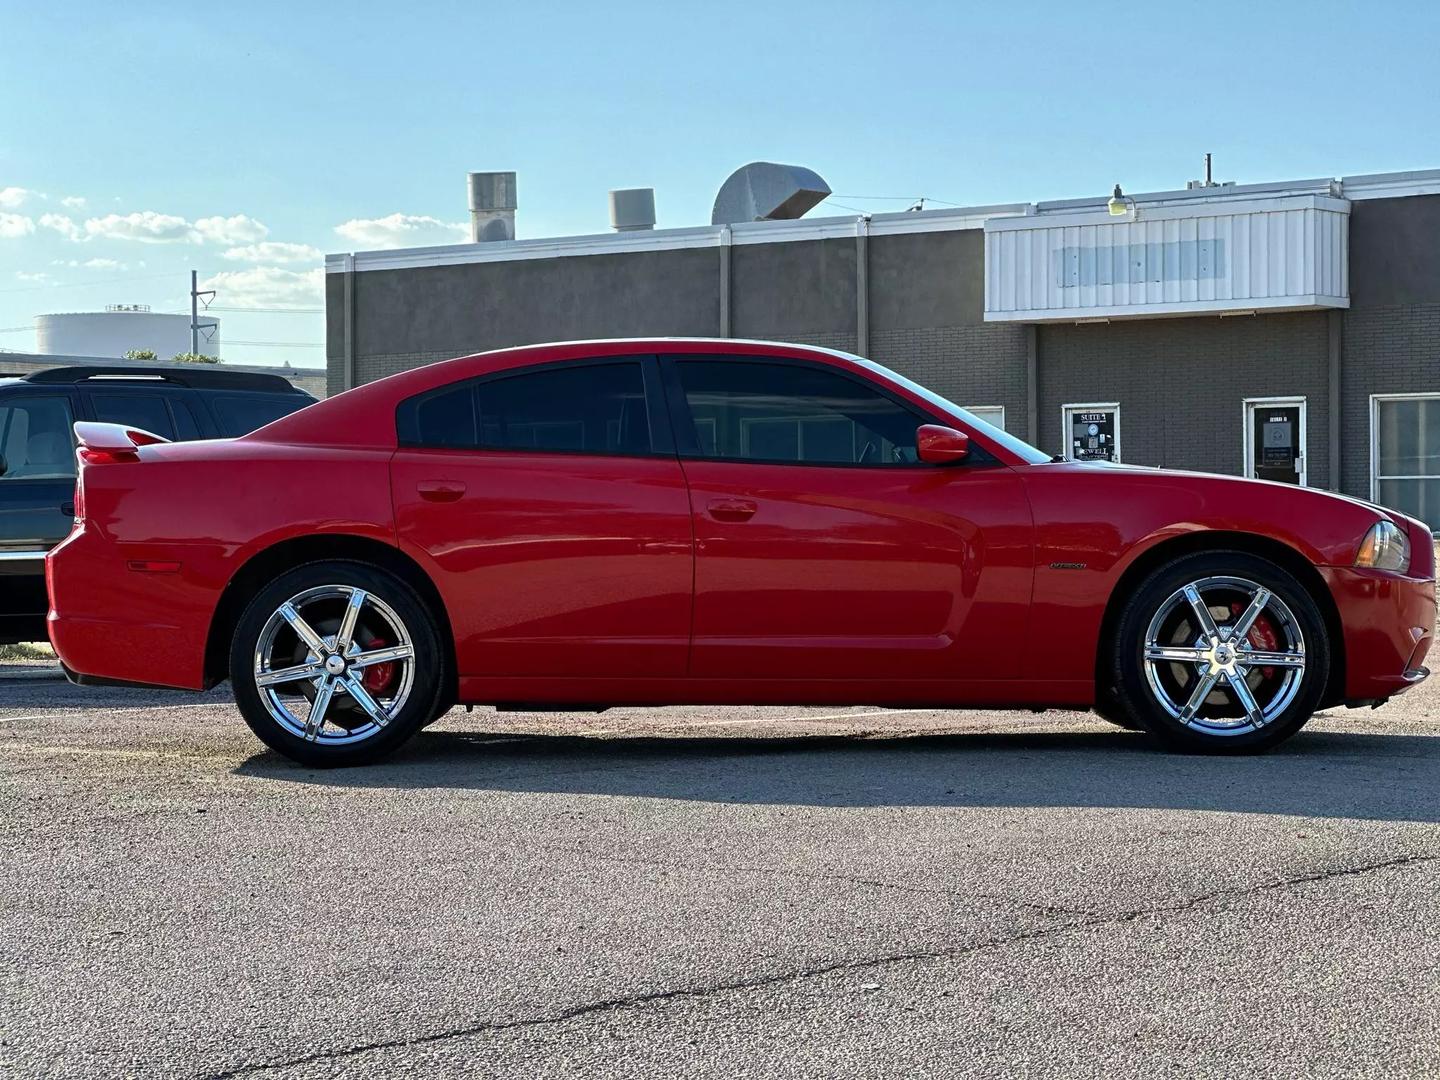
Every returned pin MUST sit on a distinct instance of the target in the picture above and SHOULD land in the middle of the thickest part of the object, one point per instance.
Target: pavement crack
(816, 971)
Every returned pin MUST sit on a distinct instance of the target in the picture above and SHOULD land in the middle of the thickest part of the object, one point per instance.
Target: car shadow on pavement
(1323, 774)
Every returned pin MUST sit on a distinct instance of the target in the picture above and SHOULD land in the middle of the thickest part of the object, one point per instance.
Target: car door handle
(731, 509)
(440, 490)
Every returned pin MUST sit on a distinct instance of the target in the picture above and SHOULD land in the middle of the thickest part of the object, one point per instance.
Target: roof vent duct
(632, 209)
(492, 207)
(765, 191)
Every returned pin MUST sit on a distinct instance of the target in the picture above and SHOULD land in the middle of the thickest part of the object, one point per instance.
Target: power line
(278, 344)
(86, 284)
(264, 310)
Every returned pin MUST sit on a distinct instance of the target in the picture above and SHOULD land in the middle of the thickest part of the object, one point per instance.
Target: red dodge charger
(607, 523)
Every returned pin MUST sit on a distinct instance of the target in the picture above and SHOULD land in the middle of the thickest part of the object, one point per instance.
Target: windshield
(1019, 447)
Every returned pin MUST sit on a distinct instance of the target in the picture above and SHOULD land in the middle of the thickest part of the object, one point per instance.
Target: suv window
(584, 408)
(240, 414)
(145, 411)
(36, 438)
(794, 414)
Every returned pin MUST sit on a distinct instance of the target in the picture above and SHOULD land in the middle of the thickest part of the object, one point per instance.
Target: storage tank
(120, 328)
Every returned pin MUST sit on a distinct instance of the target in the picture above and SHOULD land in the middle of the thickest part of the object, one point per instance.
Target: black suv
(37, 451)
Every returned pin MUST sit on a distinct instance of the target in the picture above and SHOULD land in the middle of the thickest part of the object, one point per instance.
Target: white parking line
(136, 708)
(777, 720)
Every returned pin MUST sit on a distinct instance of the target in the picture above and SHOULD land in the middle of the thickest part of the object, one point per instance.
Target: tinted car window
(36, 438)
(145, 411)
(794, 413)
(588, 409)
(185, 426)
(240, 414)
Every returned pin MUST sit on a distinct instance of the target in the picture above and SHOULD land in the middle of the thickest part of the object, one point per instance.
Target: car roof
(353, 418)
(187, 376)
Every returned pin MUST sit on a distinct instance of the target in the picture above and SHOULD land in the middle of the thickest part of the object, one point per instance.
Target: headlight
(1385, 547)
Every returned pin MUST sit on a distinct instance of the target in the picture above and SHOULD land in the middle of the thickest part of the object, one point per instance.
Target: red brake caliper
(1262, 635)
(377, 677)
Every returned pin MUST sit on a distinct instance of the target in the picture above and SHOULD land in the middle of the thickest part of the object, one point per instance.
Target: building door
(1275, 439)
(1091, 432)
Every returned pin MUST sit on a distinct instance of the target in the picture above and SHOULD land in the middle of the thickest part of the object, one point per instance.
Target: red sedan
(713, 522)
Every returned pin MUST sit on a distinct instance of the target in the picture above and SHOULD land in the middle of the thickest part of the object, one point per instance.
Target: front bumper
(1388, 624)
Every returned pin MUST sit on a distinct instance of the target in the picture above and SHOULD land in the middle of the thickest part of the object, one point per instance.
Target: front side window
(584, 409)
(36, 440)
(793, 414)
(1406, 465)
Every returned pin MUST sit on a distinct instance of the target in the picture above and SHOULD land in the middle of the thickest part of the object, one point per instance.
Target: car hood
(1132, 506)
(1241, 486)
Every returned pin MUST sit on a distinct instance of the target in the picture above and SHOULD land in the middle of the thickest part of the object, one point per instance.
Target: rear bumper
(1388, 623)
(110, 623)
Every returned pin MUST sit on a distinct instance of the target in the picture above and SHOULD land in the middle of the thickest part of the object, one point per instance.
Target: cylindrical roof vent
(632, 209)
(492, 206)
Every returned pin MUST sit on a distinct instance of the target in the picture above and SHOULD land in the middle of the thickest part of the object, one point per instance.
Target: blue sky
(244, 139)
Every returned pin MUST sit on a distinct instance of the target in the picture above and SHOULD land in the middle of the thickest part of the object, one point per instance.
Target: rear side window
(36, 438)
(240, 414)
(794, 414)
(144, 411)
(584, 409)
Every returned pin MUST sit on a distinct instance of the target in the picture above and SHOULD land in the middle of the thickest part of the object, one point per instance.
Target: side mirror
(941, 445)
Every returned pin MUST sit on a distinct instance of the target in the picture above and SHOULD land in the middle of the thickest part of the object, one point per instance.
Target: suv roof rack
(196, 377)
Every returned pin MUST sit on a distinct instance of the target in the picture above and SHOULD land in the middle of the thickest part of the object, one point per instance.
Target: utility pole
(195, 295)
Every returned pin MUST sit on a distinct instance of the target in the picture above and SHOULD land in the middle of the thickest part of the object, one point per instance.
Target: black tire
(1109, 710)
(429, 676)
(1221, 726)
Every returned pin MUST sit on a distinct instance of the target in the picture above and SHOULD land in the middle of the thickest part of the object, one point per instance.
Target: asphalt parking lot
(714, 893)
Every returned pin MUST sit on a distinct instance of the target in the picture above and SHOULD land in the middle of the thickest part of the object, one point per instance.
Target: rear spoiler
(101, 443)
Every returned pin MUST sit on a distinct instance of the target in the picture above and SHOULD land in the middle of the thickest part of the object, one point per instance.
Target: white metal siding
(1287, 253)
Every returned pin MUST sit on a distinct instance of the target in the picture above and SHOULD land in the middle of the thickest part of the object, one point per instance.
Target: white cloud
(38, 277)
(402, 230)
(275, 251)
(236, 229)
(146, 226)
(92, 264)
(63, 225)
(12, 197)
(75, 202)
(267, 286)
(13, 225)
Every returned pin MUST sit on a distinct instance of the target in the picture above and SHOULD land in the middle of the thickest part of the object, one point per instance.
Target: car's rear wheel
(336, 663)
(1221, 652)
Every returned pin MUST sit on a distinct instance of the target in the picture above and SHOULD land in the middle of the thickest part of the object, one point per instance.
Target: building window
(991, 414)
(1091, 431)
(1405, 454)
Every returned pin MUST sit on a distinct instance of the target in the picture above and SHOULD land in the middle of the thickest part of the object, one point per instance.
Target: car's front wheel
(1223, 652)
(336, 663)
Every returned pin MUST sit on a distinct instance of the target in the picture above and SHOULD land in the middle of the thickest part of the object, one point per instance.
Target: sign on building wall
(1092, 432)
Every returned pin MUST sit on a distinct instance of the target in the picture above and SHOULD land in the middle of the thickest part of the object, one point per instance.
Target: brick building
(1287, 330)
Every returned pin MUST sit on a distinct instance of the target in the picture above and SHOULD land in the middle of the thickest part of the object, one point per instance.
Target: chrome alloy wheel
(1224, 655)
(341, 635)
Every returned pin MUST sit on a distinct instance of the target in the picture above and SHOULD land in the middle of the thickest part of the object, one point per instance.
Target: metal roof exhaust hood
(632, 209)
(765, 191)
(492, 206)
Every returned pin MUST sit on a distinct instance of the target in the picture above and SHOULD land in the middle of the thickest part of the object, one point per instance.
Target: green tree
(193, 358)
(140, 354)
